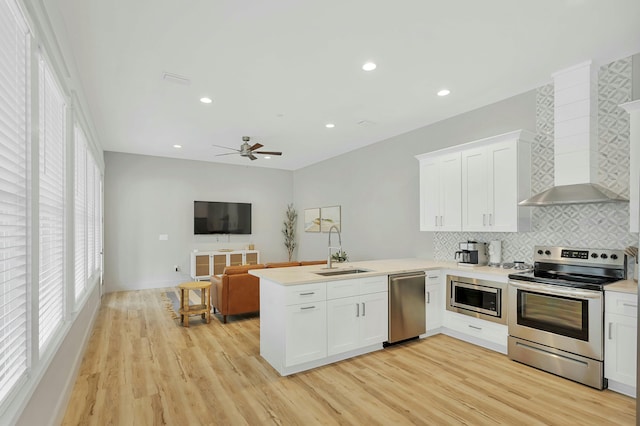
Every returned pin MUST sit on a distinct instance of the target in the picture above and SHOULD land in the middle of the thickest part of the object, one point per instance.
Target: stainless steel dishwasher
(406, 306)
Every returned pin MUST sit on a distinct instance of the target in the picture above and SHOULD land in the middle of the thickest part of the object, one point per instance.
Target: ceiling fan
(247, 150)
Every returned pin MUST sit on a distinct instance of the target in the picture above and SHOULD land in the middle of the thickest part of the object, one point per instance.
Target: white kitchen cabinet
(435, 300)
(359, 320)
(633, 108)
(306, 332)
(496, 175)
(440, 192)
(620, 349)
(207, 263)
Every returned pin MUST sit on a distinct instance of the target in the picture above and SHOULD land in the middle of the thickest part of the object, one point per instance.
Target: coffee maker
(472, 253)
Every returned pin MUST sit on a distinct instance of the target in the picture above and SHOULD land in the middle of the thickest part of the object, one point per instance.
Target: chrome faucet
(339, 242)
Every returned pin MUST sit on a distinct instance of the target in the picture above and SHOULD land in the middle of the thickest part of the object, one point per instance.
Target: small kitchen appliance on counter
(472, 253)
(495, 253)
(556, 311)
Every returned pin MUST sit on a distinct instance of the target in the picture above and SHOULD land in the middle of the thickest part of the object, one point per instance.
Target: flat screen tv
(213, 217)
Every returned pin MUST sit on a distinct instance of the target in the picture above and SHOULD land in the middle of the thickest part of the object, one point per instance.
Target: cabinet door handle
(428, 297)
(436, 218)
(484, 219)
(610, 330)
(357, 310)
(474, 327)
(363, 311)
(304, 308)
(308, 294)
(490, 219)
(630, 305)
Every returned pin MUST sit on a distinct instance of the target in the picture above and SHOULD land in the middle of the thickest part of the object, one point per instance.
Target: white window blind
(14, 122)
(98, 218)
(91, 230)
(51, 206)
(80, 212)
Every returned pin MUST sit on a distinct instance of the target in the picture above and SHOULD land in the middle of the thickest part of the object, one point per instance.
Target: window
(14, 135)
(80, 208)
(51, 205)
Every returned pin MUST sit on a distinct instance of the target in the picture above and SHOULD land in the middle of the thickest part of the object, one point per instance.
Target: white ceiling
(279, 70)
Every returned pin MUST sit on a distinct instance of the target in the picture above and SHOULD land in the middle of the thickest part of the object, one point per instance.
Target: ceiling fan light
(266, 157)
(369, 66)
(329, 125)
(444, 92)
(205, 100)
(176, 146)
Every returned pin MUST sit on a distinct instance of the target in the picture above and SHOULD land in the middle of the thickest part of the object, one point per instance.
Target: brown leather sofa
(238, 292)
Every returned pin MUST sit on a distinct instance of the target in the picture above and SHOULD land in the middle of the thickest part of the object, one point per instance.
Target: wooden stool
(203, 309)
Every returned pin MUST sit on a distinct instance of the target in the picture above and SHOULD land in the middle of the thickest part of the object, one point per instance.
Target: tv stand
(207, 263)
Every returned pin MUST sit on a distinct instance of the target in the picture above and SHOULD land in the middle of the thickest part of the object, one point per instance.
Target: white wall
(147, 196)
(377, 186)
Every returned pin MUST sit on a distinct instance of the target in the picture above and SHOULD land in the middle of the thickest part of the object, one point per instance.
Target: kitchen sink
(342, 272)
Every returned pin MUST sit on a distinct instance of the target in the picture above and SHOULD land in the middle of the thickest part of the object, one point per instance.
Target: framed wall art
(330, 216)
(312, 220)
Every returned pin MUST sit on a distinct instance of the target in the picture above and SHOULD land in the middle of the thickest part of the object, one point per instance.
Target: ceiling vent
(176, 78)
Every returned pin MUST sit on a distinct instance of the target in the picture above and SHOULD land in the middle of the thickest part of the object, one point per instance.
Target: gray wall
(148, 196)
(378, 186)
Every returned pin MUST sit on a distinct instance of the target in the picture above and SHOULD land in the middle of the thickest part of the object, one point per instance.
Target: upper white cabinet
(477, 186)
(440, 206)
(633, 108)
(495, 177)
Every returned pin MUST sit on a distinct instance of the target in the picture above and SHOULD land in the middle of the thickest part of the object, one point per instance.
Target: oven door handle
(554, 290)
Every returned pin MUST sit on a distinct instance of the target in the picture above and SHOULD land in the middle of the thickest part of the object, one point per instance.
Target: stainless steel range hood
(579, 193)
(575, 142)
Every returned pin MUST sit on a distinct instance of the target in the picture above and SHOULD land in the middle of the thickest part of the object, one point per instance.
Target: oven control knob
(614, 256)
(540, 252)
(547, 252)
(603, 256)
(594, 255)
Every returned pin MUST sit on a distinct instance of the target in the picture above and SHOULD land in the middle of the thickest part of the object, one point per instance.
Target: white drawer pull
(630, 305)
(304, 308)
(308, 294)
(474, 327)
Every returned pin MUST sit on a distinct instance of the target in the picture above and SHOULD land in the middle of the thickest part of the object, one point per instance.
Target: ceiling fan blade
(268, 152)
(227, 153)
(225, 147)
(255, 146)
(253, 157)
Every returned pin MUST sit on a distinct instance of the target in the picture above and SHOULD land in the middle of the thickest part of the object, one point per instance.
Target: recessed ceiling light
(444, 92)
(266, 157)
(206, 100)
(369, 66)
(177, 146)
(329, 125)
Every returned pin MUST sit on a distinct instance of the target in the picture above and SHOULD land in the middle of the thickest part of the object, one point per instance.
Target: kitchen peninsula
(308, 319)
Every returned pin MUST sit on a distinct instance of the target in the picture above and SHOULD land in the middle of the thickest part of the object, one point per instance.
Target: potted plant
(340, 256)
(289, 230)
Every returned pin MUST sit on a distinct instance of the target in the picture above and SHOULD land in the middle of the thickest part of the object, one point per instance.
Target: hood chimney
(575, 141)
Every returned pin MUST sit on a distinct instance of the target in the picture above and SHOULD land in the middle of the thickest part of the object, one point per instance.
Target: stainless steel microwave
(482, 299)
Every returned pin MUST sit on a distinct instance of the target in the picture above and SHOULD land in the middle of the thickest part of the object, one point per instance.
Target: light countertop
(626, 286)
(308, 274)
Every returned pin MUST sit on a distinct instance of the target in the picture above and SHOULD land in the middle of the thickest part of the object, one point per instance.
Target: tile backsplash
(587, 225)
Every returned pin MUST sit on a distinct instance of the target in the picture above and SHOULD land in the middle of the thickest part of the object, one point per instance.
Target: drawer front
(496, 333)
(621, 303)
(306, 293)
(344, 288)
(374, 284)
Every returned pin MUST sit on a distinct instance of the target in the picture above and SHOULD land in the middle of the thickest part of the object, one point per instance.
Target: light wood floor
(142, 368)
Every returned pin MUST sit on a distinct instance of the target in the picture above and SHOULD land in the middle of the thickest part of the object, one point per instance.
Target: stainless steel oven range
(556, 311)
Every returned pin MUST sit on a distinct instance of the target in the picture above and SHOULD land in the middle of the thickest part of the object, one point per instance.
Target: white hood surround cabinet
(601, 225)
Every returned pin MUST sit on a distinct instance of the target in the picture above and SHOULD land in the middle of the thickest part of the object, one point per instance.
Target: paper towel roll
(495, 252)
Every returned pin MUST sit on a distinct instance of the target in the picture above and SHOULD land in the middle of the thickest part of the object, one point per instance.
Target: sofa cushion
(241, 269)
(281, 264)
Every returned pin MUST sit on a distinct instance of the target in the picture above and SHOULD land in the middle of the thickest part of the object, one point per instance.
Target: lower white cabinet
(477, 331)
(357, 321)
(306, 332)
(435, 300)
(620, 348)
(308, 325)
